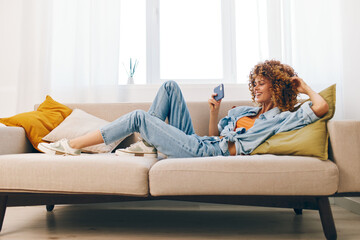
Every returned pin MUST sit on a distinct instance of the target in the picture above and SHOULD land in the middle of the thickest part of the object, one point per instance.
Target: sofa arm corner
(13, 140)
(345, 152)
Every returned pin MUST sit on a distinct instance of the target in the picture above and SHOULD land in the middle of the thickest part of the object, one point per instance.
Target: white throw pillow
(79, 123)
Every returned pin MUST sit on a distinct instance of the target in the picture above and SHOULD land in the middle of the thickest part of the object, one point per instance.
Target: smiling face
(262, 90)
(270, 85)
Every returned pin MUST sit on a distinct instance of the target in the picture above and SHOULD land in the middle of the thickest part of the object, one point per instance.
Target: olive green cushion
(311, 140)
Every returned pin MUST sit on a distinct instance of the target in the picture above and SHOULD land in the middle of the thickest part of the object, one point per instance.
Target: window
(192, 41)
(249, 17)
(132, 39)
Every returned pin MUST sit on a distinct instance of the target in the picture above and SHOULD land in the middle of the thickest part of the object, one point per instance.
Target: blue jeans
(176, 139)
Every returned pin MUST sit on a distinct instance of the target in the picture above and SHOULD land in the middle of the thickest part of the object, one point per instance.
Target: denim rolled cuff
(306, 107)
(103, 134)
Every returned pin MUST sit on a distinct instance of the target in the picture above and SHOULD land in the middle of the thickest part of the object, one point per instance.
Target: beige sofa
(30, 178)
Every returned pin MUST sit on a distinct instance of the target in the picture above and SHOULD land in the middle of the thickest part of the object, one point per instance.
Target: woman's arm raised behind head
(319, 106)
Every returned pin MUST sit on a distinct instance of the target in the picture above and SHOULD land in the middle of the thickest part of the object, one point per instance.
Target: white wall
(351, 58)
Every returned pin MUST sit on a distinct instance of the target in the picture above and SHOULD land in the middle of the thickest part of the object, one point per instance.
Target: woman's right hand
(214, 114)
(213, 104)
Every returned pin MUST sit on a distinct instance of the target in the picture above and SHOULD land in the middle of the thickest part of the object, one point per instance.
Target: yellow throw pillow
(311, 140)
(39, 123)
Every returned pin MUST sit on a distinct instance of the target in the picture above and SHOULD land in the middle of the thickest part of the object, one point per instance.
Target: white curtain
(85, 50)
(315, 44)
(34, 68)
(306, 34)
(70, 50)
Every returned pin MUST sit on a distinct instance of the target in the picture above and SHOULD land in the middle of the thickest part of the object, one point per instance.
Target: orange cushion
(39, 123)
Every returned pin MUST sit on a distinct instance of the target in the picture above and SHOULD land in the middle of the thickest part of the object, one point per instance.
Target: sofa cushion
(244, 175)
(77, 124)
(86, 174)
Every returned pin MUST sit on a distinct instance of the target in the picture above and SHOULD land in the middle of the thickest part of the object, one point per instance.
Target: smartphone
(220, 92)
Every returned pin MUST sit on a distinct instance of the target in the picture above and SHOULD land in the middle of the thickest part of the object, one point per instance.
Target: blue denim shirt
(268, 124)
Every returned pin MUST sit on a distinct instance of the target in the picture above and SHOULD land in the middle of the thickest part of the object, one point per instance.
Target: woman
(274, 87)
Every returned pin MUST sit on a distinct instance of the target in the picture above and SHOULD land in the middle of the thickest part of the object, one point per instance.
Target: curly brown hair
(284, 92)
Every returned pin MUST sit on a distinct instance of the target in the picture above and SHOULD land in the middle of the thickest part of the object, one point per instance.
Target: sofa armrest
(13, 140)
(345, 152)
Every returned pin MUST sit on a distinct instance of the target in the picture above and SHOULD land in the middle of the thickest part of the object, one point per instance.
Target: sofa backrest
(199, 111)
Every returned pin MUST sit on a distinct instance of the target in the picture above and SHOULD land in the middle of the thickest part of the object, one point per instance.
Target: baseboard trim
(349, 203)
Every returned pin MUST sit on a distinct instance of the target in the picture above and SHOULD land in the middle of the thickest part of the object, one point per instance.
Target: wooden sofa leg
(298, 211)
(326, 217)
(3, 201)
(49, 208)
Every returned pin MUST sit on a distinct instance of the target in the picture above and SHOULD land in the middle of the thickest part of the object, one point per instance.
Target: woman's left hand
(301, 86)
(319, 106)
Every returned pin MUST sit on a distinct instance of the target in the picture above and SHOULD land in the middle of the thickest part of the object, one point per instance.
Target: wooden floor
(171, 220)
